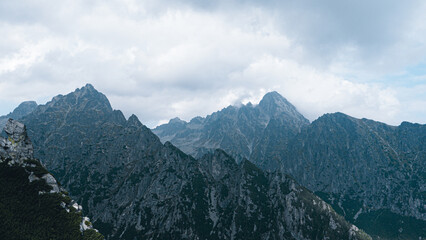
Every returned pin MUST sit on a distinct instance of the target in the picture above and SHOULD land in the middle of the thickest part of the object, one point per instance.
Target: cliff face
(132, 185)
(372, 173)
(33, 205)
(247, 131)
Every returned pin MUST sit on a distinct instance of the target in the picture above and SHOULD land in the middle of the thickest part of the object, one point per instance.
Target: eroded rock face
(369, 171)
(27, 177)
(17, 146)
(133, 186)
(255, 132)
(17, 149)
(372, 173)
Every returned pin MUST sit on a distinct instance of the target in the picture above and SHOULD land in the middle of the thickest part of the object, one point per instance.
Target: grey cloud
(161, 59)
(326, 28)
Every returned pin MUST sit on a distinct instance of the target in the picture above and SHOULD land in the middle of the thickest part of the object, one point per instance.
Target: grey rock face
(366, 169)
(17, 147)
(22, 110)
(244, 132)
(16, 155)
(377, 160)
(132, 185)
(17, 150)
(381, 166)
(259, 205)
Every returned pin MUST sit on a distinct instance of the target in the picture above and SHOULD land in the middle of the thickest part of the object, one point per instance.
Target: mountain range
(239, 167)
(246, 131)
(134, 186)
(372, 173)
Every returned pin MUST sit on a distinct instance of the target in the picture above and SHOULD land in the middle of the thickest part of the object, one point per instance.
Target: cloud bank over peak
(162, 59)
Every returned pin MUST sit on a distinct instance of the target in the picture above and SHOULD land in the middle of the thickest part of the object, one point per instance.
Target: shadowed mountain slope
(132, 185)
(32, 203)
(244, 132)
(366, 169)
(372, 173)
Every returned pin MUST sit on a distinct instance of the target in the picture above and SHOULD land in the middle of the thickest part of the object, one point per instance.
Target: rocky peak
(136, 188)
(84, 98)
(197, 120)
(274, 105)
(344, 125)
(273, 100)
(243, 131)
(174, 123)
(134, 121)
(23, 109)
(15, 130)
(88, 91)
(176, 120)
(273, 96)
(335, 117)
(18, 150)
(84, 103)
(17, 145)
(89, 87)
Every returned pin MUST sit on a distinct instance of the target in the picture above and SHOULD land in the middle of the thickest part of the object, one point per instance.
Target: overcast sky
(164, 59)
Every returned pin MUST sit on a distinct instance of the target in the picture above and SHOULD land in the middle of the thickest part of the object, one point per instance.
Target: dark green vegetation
(25, 214)
(392, 226)
(28, 208)
(132, 185)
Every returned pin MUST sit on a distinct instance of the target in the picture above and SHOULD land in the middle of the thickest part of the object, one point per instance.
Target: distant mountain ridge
(22, 110)
(370, 172)
(244, 132)
(132, 185)
(365, 169)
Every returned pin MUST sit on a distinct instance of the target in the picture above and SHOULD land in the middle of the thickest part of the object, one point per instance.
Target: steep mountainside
(32, 204)
(372, 173)
(22, 110)
(244, 132)
(134, 186)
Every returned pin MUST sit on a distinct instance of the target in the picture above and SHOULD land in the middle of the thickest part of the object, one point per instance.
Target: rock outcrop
(33, 205)
(17, 147)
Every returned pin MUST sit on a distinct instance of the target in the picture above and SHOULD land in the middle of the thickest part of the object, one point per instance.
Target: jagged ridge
(244, 132)
(22, 110)
(134, 186)
(372, 173)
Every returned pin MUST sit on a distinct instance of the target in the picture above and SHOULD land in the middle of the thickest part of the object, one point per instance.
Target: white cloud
(162, 59)
(314, 92)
